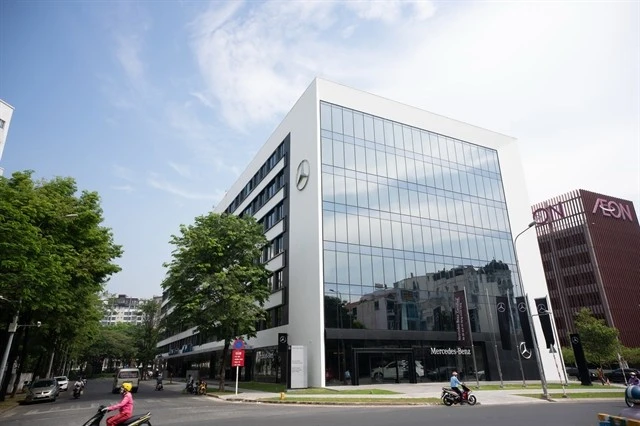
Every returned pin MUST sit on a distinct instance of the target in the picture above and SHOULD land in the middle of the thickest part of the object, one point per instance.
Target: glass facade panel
(410, 217)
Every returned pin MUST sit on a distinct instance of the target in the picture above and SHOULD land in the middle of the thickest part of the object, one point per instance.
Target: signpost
(237, 358)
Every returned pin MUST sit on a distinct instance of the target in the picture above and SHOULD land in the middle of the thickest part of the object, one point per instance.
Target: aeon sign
(548, 214)
(613, 209)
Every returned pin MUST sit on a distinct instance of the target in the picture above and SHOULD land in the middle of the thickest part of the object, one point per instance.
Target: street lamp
(536, 348)
(13, 327)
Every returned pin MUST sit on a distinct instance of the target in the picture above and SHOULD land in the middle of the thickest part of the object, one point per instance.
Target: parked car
(618, 375)
(388, 372)
(43, 390)
(63, 382)
(573, 372)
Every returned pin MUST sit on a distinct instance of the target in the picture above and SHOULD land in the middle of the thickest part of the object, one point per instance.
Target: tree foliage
(568, 356)
(215, 280)
(55, 257)
(599, 341)
(146, 334)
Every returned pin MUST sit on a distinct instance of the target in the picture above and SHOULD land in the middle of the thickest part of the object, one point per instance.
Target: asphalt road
(171, 407)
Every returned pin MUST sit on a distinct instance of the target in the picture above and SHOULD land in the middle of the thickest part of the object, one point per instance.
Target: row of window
(272, 249)
(392, 162)
(562, 243)
(575, 260)
(275, 318)
(412, 206)
(273, 216)
(276, 281)
(269, 191)
(367, 160)
(264, 170)
(386, 132)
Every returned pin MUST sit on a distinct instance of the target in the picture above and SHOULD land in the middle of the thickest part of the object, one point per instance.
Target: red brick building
(590, 247)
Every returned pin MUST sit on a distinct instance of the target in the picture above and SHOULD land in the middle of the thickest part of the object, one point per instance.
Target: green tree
(599, 341)
(215, 280)
(631, 355)
(146, 334)
(54, 258)
(568, 355)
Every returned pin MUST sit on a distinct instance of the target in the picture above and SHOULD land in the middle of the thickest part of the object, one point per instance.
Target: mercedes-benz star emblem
(575, 339)
(302, 175)
(524, 351)
(283, 339)
(501, 307)
(522, 307)
(542, 309)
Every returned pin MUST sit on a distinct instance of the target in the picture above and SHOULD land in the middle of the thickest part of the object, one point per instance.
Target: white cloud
(562, 77)
(183, 170)
(124, 173)
(156, 182)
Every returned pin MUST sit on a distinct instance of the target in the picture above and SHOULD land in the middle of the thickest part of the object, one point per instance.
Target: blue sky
(159, 105)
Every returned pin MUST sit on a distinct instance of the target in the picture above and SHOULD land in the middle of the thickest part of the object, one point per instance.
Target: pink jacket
(125, 406)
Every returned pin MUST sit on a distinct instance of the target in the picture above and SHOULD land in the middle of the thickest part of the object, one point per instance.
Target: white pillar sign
(298, 367)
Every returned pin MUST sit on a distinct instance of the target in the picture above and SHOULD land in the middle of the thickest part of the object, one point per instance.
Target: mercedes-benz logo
(283, 339)
(524, 351)
(302, 175)
(502, 307)
(522, 307)
(542, 309)
(575, 339)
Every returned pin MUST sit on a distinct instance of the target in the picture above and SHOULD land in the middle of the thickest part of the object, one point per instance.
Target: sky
(159, 106)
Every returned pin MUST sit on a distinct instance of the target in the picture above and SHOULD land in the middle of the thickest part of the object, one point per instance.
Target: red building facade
(590, 248)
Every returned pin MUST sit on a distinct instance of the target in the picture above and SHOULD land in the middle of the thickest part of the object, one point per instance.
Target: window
(2, 123)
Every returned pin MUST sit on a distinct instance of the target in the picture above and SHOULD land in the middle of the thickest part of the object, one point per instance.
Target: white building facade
(377, 212)
(6, 112)
(124, 309)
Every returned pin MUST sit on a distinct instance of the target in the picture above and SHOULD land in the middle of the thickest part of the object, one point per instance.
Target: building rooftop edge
(7, 104)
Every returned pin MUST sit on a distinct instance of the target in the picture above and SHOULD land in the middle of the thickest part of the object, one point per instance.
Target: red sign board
(237, 358)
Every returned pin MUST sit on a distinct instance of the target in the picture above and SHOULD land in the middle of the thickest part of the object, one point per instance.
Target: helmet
(127, 387)
(632, 373)
(455, 373)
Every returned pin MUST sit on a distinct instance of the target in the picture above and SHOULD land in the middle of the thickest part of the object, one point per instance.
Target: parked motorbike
(133, 421)
(202, 388)
(450, 397)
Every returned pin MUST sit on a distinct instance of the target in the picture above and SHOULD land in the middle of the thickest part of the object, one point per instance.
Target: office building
(6, 112)
(590, 247)
(124, 309)
(377, 212)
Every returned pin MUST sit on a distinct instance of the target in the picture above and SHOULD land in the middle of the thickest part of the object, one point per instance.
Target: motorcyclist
(454, 383)
(633, 379)
(125, 406)
(159, 385)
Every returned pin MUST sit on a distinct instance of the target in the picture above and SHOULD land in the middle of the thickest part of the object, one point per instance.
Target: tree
(215, 280)
(54, 258)
(599, 341)
(568, 355)
(631, 355)
(146, 334)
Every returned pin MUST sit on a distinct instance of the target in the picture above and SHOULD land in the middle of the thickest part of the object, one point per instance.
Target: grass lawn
(351, 401)
(324, 391)
(580, 395)
(11, 402)
(258, 386)
(533, 385)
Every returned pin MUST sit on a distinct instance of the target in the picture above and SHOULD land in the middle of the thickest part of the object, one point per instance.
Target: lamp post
(543, 379)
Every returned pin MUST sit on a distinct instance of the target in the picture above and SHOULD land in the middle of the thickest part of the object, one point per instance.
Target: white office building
(377, 212)
(6, 111)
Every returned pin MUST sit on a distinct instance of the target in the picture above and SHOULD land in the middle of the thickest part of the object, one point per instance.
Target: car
(574, 372)
(388, 372)
(63, 382)
(619, 375)
(43, 390)
(126, 375)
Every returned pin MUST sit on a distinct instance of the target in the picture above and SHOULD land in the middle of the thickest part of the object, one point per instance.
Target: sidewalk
(425, 390)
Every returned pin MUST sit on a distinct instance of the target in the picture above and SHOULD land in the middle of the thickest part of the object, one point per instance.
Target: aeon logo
(548, 214)
(613, 209)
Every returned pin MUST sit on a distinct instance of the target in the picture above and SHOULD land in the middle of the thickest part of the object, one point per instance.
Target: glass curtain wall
(409, 217)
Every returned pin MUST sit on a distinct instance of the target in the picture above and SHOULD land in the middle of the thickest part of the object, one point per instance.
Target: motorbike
(77, 391)
(202, 388)
(133, 421)
(450, 397)
(632, 395)
(159, 385)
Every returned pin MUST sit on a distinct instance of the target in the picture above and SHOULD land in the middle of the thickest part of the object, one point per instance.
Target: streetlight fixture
(536, 348)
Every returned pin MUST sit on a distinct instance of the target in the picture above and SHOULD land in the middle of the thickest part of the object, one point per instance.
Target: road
(171, 407)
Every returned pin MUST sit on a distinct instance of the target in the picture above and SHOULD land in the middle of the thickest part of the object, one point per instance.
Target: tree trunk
(22, 363)
(223, 364)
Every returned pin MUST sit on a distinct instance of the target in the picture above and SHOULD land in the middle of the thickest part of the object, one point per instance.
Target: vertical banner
(542, 306)
(502, 307)
(461, 318)
(437, 319)
(581, 361)
(523, 309)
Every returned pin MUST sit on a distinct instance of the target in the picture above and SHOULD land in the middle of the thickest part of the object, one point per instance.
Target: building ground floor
(367, 357)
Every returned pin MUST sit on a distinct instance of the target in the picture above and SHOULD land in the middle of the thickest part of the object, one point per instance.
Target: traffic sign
(237, 358)
(238, 344)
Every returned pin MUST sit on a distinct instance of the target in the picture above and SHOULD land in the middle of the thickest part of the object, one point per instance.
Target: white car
(63, 382)
(388, 372)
